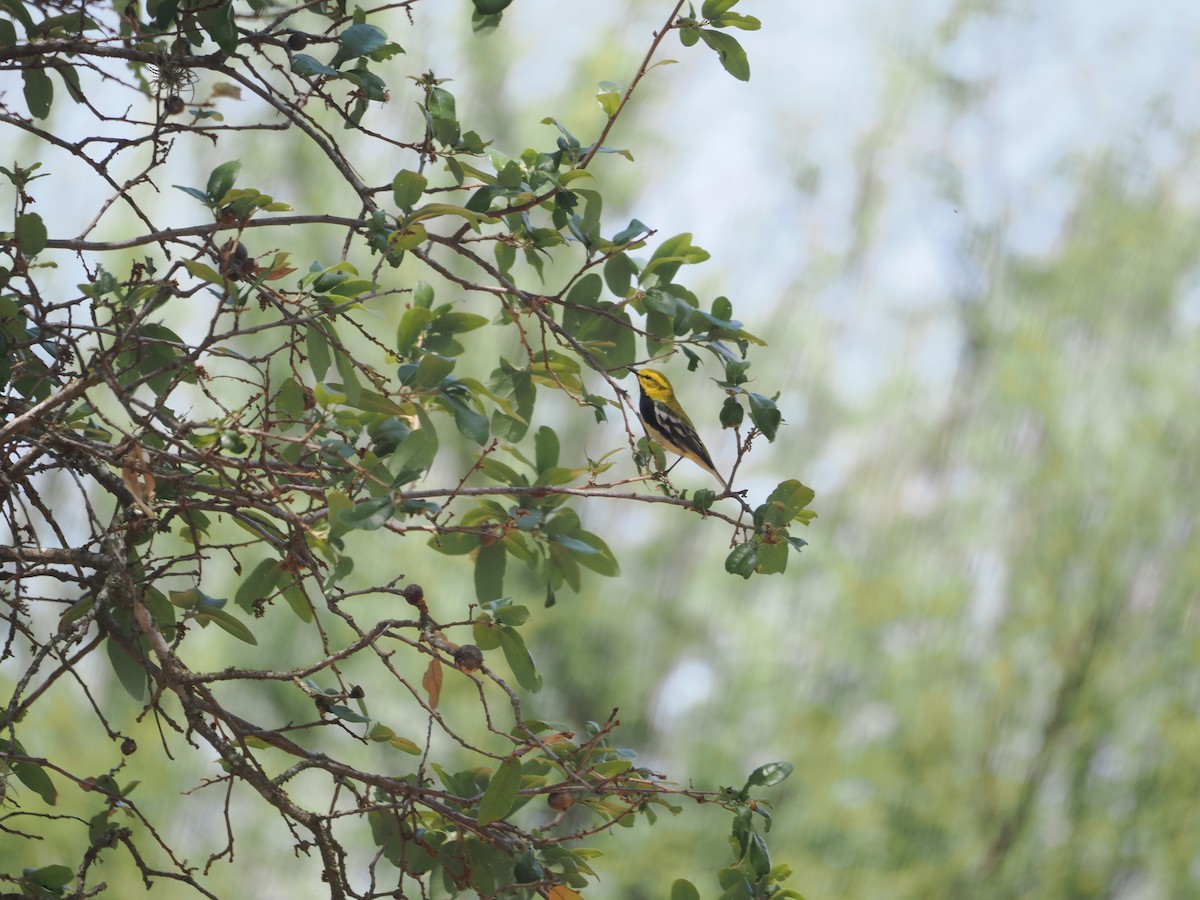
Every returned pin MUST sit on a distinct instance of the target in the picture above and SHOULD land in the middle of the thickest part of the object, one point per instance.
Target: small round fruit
(560, 800)
(468, 658)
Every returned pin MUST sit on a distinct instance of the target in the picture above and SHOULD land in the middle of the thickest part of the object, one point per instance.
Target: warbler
(667, 424)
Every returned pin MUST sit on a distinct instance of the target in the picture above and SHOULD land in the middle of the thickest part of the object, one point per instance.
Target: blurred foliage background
(968, 230)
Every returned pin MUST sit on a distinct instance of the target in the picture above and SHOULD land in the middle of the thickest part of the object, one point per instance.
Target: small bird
(667, 424)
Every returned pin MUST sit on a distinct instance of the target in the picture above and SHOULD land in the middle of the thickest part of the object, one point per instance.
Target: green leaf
(431, 370)
(228, 623)
(415, 454)
(769, 774)
(221, 180)
(598, 557)
(737, 20)
(786, 502)
(772, 558)
(308, 66)
(585, 291)
(742, 560)
(618, 274)
(501, 792)
(670, 255)
(412, 324)
(381, 733)
(731, 413)
(489, 572)
(710, 9)
(351, 386)
(729, 51)
(515, 616)
(408, 187)
(297, 601)
(764, 414)
(368, 515)
(759, 856)
(203, 271)
(54, 878)
(683, 889)
(546, 448)
(358, 40)
(39, 92)
(490, 7)
(37, 780)
(129, 670)
(31, 234)
(458, 322)
(217, 20)
(434, 210)
(470, 423)
(519, 659)
(608, 95)
(260, 584)
(317, 345)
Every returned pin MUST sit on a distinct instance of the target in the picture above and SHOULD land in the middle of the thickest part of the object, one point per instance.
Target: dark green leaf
(37, 780)
(217, 20)
(458, 322)
(618, 274)
(519, 659)
(598, 557)
(546, 448)
(585, 291)
(358, 40)
(260, 584)
(228, 623)
(412, 324)
(351, 386)
(470, 423)
(129, 671)
(303, 64)
(731, 413)
(347, 714)
(289, 400)
(764, 414)
(31, 233)
(318, 350)
(431, 370)
(490, 7)
(222, 179)
(39, 92)
(368, 515)
(742, 559)
(759, 856)
(489, 572)
(501, 792)
(193, 192)
(505, 474)
(297, 600)
(683, 889)
(414, 456)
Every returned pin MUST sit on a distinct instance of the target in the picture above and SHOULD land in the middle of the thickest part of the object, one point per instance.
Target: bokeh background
(969, 232)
